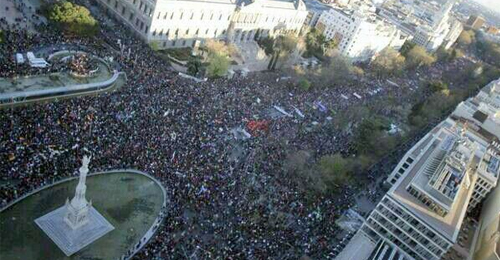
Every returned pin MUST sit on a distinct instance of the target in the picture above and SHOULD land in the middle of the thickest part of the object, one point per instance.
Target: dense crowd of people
(228, 198)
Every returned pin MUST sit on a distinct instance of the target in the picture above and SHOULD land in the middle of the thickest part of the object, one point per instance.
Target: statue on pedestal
(77, 210)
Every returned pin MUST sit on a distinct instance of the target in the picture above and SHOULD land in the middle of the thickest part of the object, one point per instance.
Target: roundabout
(130, 200)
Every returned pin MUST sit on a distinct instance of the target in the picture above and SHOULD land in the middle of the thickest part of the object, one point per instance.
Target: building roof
(447, 226)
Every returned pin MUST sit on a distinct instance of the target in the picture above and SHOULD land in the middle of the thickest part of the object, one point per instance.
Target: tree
(437, 86)
(389, 62)
(194, 65)
(407, 46)
(466, 37)
(418, 57)
(154, 45)
(339, 71)
(1, 36)
(489, 51)
(73, 19)
(267, 44)
(218, 65)
(304, 84)
(317, 44)
(369, 137)
(283, 46)
(335, 170)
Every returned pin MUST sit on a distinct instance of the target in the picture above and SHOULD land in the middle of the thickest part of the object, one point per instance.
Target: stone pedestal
(71, 240)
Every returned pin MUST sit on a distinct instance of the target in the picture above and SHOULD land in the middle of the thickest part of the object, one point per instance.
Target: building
(359, 32)
(492, 30)
(475, 22)
(186, 23)
(452, 36)
(448, 172)
(425, 22)
(486, 239)
(314, 9)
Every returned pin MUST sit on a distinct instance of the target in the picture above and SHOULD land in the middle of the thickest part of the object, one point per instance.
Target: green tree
(73, 19)
(194, 65)
(437, 86)
(267, 44)
(389, 62)
(335, 170)
(418, 57)
(339, 70)
(489, 51)
(218, 65)
(304, 84)
(407, 46)
(284, 45)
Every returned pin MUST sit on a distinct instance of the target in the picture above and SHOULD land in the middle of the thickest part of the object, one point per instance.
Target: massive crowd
(221, 205)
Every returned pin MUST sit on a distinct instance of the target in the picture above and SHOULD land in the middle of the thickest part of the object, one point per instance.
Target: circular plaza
(130, 200)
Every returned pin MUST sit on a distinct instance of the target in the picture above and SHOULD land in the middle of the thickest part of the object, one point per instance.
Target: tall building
(360, 33)
(448, 172)
(486, 242)
(428, 24)
(185, 23)
(475, 22)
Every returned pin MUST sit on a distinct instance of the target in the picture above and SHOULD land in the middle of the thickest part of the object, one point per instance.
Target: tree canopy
(389, 62)
(73, 19)
(218, 65)
(466, 37)
(418, 57)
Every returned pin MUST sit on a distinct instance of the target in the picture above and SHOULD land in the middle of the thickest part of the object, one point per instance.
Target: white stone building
(426, 23)
(360, 33)
(184, 23)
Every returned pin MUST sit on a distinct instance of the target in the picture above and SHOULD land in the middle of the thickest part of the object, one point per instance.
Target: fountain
(76, 224)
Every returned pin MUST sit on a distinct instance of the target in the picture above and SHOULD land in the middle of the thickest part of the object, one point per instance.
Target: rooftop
(449, 224)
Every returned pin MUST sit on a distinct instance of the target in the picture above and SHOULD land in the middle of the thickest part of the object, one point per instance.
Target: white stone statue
(77, 210)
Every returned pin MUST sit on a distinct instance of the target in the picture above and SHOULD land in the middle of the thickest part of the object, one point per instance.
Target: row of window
(415, 223)
(219, 16)
(413, 233)
(397, 229)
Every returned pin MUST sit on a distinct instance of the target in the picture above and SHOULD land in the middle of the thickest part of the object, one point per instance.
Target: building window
(215, 33)
(187, 32)
(131, 16)
(164, 44)
(165, 16)
(116, 4)
(161, 32)
(202, 14)
(206, 32)
(167, 33)
(154, 32)
(123, 10)
(197, 32)
(184, 43)
(220, 17)
(173, 42)
(223, 32)
(192, 15)
(172, 16)
(212, 16)
(182, 14)
(146, 30)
